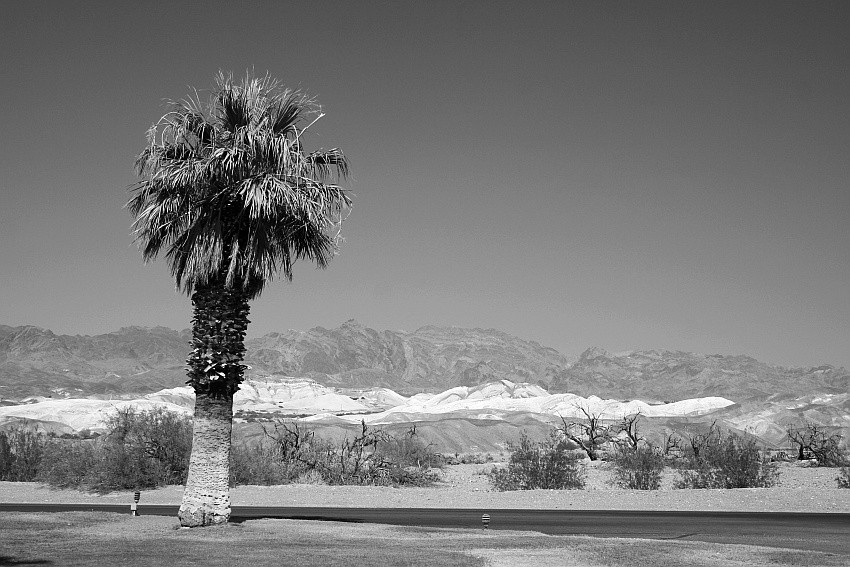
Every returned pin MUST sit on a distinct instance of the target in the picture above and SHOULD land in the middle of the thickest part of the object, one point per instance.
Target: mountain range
(466, 389)
(139, 360)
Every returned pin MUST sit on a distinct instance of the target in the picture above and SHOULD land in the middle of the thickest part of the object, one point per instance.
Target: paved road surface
(813, 532)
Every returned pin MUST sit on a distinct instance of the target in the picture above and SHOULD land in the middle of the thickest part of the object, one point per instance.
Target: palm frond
(228, 191)
(329, 163)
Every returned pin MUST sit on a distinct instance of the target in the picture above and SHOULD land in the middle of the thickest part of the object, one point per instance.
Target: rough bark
(206, 500)
(215, 372)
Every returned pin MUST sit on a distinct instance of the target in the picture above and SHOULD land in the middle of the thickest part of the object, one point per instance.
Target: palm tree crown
(228, 189)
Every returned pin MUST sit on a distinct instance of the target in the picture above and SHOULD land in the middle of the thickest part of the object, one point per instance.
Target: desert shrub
(725, 461)
(410, 450)
(814, 441)
(161, 438)
(374, 457)
(262, 464)
(21, 452)
(673, 449)
(548, 464)
(70, 463)
(843, 478)
(289, 453)
(590, 433)
(140, 449)
(637, 467)
(469, 459)
(636, 462)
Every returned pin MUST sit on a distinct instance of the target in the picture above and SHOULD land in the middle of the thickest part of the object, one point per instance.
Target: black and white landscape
(466, 389)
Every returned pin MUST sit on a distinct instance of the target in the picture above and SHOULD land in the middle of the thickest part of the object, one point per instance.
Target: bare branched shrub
(290, 453)
(547, 465)
(410, 450)
(590, 433)
(718, 460)
(626, 432)
(673, 449)
(814, 441)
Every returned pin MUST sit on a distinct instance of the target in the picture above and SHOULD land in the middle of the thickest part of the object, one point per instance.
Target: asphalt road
(812, 532)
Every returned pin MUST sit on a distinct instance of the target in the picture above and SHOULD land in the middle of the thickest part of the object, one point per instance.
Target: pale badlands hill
(461, 419)
(315, 402)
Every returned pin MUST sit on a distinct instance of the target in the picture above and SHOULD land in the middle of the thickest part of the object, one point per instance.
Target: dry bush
(718, 460)
(140, 449)
(814, 441)
(548, 465)
(843, 478)
(21, 451)
(589, 433)
(637, 468)
(288, 452)
(469, 459)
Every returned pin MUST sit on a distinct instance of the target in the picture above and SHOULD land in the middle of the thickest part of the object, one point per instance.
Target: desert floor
(466, 486)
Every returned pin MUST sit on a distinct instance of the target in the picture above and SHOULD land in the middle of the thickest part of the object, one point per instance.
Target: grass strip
(108, 539)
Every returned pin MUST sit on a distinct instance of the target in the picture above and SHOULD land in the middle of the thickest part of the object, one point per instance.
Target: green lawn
(107, 539)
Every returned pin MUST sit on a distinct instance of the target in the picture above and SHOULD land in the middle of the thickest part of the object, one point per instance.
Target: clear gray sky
(627, 175)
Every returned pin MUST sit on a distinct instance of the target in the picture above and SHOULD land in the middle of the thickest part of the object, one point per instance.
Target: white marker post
(134, 506)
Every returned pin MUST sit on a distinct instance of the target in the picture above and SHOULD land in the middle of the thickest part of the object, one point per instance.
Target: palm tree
(229, 192)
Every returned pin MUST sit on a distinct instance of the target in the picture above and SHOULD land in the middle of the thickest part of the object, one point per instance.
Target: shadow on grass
(9, 560)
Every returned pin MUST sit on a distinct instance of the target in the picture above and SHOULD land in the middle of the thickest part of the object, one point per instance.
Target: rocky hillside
(35, 361)
(660, 375)
(432, 358)
(139, 360)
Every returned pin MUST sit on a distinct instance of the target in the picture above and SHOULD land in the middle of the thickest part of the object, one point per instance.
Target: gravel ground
(466, 486)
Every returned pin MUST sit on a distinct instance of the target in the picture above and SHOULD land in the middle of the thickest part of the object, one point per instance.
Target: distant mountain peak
(595, 352)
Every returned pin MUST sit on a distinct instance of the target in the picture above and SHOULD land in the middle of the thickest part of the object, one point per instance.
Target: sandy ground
(466, 486)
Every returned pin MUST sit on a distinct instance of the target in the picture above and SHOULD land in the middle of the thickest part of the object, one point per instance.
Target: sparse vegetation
(718, 460)
(814, 441)
(21, 451)
(148, 449)
(141, 449)
(590, 434)
(637, 463)
(290, 453)
(637, 468)
(469, 459)
(843, 478)
(673, 448)
(548, 465)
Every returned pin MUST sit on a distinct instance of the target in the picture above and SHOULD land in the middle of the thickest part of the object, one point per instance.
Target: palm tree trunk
(215, 372)
(206, 500)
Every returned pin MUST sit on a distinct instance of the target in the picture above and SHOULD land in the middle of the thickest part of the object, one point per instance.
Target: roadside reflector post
(485, 519)
(134, 506)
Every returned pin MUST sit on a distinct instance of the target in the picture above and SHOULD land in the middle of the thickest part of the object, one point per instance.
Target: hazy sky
(627, 175)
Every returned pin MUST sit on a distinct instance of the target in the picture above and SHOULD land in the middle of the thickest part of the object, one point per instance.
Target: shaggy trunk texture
(215, 371)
